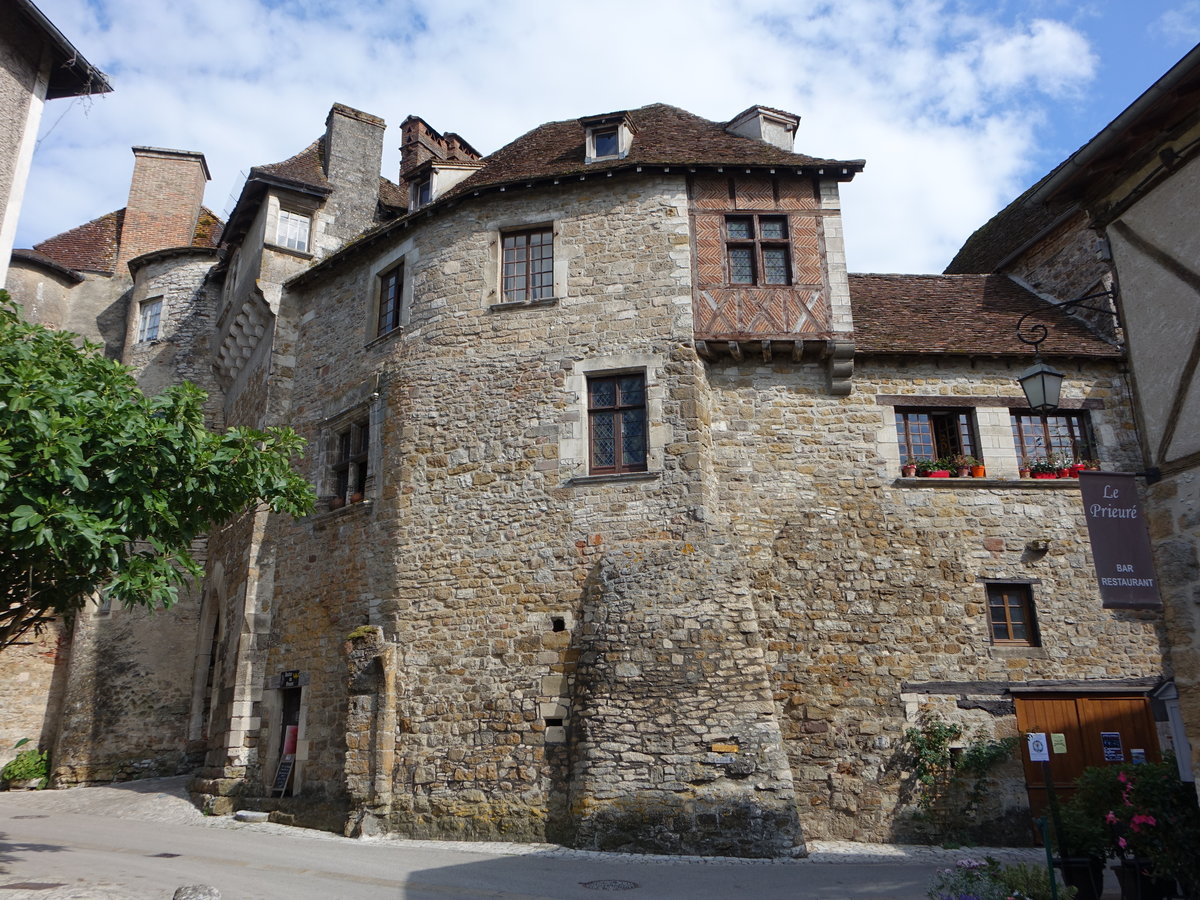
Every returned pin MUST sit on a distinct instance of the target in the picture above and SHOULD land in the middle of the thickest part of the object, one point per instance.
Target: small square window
(528, 265)
(933, 433)
(617, 423)
(293, 231)
(149, 320)
(391, 292)
(757, 251)
(607, 143)
(1011, 617)
(1063, 436)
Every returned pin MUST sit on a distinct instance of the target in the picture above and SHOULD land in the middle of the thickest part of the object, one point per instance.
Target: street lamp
(1042, 383)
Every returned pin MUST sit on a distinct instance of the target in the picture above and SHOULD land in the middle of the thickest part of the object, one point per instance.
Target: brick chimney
(164, 202)
(353, 162)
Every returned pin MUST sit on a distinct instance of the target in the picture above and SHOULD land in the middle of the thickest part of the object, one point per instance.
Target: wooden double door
(1084, 730)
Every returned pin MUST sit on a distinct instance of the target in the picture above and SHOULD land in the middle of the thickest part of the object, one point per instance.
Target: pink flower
(1122, 843)
(1111, 819)
(1121, 777)
(1140, 820)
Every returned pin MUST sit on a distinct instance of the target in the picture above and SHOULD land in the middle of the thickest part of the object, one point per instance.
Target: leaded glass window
(617, 423)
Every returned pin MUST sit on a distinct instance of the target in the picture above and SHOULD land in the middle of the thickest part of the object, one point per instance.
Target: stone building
(37, 63)
(614, 545)
(1120, 214)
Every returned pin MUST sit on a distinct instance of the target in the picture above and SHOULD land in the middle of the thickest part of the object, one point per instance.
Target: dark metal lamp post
(1042, 383)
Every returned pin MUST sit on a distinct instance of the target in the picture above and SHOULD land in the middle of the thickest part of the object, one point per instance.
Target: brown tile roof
(392, 195)
(92, 247)
(960, 314)
(666, 135)
(306, 167)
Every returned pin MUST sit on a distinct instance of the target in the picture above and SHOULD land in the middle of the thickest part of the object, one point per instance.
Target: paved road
(142, 840)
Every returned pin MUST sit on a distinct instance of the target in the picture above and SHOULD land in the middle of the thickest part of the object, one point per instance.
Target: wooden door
(1084, 721)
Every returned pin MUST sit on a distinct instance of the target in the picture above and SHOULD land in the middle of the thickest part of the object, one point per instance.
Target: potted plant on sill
(1044, 467)
(962, 464)
(1026, 468)
(908, 469)
(932, 468)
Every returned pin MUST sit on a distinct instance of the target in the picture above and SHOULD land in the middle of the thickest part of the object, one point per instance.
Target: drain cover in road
(609, 884)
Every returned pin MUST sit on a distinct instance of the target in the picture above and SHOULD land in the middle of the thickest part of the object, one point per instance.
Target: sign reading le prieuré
(1120, 541)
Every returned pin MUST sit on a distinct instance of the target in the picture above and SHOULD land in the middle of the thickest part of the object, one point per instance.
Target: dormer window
(606, 143)
(422, 192)
(608, 137)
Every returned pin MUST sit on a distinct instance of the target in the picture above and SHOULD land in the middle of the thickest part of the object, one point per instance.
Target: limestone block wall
(869, 588)
(94, 308)
(32, 674)
(24, 75)
(125, 712)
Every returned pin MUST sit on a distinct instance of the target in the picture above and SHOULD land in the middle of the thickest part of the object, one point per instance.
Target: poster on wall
(1113, 750)
(1120, 541)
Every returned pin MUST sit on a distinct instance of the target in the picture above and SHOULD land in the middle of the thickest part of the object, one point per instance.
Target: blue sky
(956, 106)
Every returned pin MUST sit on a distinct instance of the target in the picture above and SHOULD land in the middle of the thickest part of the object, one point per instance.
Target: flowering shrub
(1150, 817)
(986, 879)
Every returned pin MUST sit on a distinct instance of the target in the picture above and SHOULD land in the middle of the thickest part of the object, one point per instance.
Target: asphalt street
(142, 840)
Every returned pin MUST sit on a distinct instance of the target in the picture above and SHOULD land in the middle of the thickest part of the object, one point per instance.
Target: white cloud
(1179, 26)
(940, 98)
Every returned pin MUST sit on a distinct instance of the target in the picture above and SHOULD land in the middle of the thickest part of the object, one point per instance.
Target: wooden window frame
(522, 254)
(615, 411)
(351, 458)
(283, 230)
(391, 299)
(960, 437)
(1078, 425)
(1003, 589)
(756, 244)
(149, 311)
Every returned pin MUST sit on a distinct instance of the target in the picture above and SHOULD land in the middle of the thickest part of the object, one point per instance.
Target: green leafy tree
(102, 487)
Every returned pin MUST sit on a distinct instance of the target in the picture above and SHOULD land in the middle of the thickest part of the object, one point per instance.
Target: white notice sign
(1039, 751)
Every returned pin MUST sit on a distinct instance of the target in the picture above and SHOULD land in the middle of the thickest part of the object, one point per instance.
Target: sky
(956, 107)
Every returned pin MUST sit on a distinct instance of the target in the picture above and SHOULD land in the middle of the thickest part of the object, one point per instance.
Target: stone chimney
(353, 164)
(164, 202)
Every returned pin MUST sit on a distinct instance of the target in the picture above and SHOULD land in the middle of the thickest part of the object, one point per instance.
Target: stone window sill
(381, 339)
(1038, 484)
(523, 304)
(997, 651)
(581, 480)
(323, 513)
(299, 254)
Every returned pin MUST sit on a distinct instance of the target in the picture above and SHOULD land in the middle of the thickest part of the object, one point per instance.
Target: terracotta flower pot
(978, 472)
(1024, 473)
(337, 502)
(908, 471)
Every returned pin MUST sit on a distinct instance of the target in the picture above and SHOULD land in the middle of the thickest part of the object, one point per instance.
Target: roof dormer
(771, 126)
(433, 178)
(609, 136)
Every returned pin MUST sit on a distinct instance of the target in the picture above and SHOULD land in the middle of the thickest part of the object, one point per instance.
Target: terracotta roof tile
(91, 247)
(968, 314)
(666, 135)
(306, 167)
(1003, 235)
(392, 195)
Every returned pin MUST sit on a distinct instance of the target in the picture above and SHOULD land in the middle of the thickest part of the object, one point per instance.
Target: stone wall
(24, 72)
(868, 584)
(32, 673)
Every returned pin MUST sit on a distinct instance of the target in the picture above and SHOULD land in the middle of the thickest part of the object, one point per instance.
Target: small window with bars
(1011, 617)
(351, 461)
(528, 265)
(931, 433)
(149, 320)
(293, 231)
(1062, 436)
(617, 423)
(757, 251)
(391, 292)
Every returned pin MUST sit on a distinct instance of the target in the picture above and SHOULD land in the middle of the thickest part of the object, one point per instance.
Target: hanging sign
(1120, 541)
(1038, 750)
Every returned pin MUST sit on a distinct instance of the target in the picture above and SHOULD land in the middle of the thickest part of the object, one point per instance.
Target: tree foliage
(102, 487)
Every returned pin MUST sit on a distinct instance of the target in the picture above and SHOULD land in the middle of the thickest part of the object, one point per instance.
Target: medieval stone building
(614, 546)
